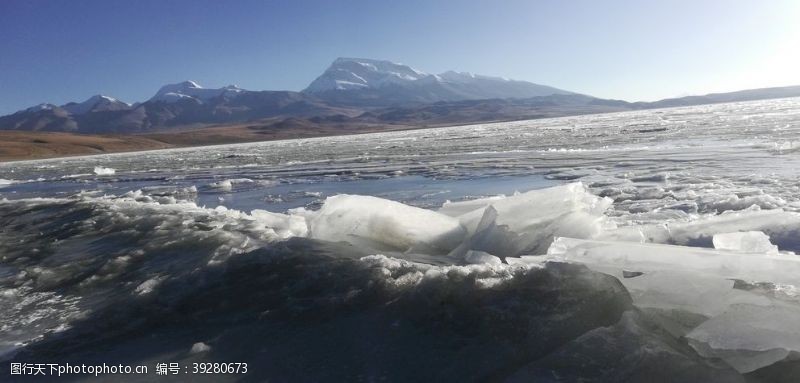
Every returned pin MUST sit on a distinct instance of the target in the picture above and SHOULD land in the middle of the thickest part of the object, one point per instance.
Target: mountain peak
(177, 87)
(101, 98)
(389, 83)
(190, 84)
(347, 73)
(37, 108)
(97, 102)
(374, 64)
(191, 90)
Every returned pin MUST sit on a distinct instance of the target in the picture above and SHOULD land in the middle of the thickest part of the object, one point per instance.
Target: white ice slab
(746, 242)
(527, 222)
(373, 221)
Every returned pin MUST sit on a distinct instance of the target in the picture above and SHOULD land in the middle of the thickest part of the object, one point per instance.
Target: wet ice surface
(678, 227)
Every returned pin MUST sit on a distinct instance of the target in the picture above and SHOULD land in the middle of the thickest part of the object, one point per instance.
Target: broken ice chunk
(538, 208)
(748, 242)
(101, 171)
(749, 337)
(224, 185)
(782, 227)
(526, 223)
(384, 224)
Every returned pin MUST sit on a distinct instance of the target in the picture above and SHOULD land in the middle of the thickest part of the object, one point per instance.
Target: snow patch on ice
(101, 171)
(228, 184)
(199, 347)
(5, 183)
(225, 185)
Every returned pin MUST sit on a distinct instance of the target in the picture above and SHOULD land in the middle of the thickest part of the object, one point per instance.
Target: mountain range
(351, 90)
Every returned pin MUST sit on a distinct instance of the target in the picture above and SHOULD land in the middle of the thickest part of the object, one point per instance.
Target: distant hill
(715, 98)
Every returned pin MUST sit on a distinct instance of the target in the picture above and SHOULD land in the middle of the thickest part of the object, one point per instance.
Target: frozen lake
(678, 228)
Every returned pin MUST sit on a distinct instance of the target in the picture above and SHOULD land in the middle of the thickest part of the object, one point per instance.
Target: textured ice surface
(289, 306)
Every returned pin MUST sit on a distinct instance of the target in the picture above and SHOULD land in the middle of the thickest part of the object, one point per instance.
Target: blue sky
(59, 51)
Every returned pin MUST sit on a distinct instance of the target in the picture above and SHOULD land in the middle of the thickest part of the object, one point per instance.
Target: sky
(59, 51)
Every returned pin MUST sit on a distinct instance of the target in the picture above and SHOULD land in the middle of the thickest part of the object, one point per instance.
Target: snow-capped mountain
(70, 117)
(352, 73)
(190, 90)
(38, 108)
(356, 81)
(96, 103)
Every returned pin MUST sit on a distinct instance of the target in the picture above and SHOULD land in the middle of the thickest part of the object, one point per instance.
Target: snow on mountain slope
(190, 90)
(404, 83)
(354, 73)
(95, 103)
(38, 108)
